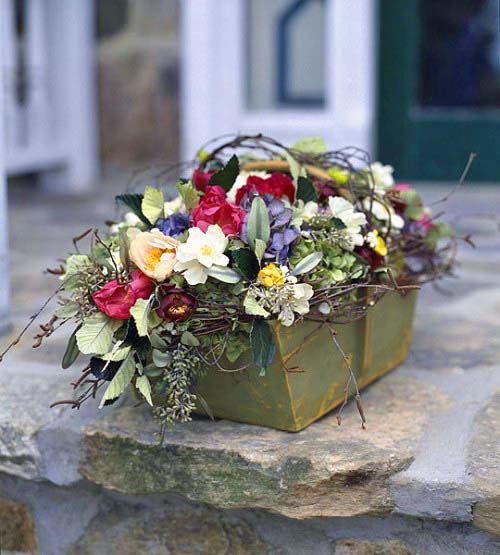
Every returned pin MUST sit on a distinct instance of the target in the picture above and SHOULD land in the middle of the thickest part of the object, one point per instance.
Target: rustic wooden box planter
(291, 400)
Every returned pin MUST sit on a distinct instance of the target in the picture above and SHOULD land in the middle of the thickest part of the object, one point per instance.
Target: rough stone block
(357, 547)
(17, 531)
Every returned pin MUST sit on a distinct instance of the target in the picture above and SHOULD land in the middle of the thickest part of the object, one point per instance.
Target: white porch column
(4, 245)
(73, 84)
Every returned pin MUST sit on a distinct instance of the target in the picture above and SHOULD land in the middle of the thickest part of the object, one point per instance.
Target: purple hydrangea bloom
(283, 234)
(174, 225)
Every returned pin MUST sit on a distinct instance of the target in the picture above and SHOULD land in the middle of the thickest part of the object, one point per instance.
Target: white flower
(382, 177)
(384, 212)
(303, 212)
(241, 181)
(344, 211)
(371, 239)
(200, 252)
(174, 206)
(298, 302)
(310, 210)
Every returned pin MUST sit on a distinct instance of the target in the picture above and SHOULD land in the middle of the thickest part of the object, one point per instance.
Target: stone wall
(138, 71)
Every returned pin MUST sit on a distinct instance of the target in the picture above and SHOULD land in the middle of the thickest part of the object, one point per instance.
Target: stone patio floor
(424, 477)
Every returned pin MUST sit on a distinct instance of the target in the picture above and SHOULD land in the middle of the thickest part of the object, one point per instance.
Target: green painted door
(439, 88)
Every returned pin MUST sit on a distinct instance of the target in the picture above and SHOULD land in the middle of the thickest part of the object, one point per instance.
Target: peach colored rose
(154, 253)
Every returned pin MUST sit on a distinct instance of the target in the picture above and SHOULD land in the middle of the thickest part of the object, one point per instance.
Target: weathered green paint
(425, 144)
(308, 375)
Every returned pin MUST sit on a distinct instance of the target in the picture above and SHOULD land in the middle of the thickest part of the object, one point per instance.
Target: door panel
(439, 93)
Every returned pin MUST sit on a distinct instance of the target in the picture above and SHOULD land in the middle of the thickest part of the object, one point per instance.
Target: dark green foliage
(247, 262)
(133, 202)
(306, 190)
(72, 351)
(226, 177)
(263, 345)
(104, 370)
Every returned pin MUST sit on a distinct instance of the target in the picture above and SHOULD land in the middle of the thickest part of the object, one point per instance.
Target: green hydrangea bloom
(336, 266)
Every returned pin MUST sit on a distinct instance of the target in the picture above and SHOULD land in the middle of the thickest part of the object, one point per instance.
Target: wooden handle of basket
(282, 165)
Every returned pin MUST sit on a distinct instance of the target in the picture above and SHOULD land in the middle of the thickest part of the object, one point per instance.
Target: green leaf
(253, 308)
(118, 353)
(140, 314)
(187, 338)
(76, 263)
(160, 358)
(133, 202)
(226, 177)
(205, 406)
(260, 249)
(307, 264)
(96, 334)
(258, 223)
(263, 345)
(235, 347)
(120, 381)
(72, 351)
(190, 195)
(413, 201)
(157, 342)
(306, 190)
(124, 243)
(247, 262)
(296, 170)
(153, 204)
(311, 145)
(143, 385)
(224, 274)
(68, 310)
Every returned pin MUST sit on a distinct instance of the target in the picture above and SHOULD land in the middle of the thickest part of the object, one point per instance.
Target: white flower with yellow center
(241, 181)
(382, 177)
(201, 252)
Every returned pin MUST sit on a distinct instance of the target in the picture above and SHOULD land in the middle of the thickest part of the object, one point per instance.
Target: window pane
(460, 53)
(286, 53)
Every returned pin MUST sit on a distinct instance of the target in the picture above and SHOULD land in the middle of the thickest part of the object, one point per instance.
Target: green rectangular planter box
(307, 377)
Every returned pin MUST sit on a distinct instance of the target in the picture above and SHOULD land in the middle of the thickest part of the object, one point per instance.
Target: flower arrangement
(260, 232)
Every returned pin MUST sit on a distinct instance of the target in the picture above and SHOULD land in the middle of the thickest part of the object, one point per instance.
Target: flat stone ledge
(325, 470)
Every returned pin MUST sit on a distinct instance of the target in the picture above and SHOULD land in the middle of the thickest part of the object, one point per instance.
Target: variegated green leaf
(121, 380)
(153, 204)
(143, 385)
(95, 337)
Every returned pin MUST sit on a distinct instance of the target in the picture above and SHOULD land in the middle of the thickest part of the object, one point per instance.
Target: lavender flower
(174, 225)
(283, 234)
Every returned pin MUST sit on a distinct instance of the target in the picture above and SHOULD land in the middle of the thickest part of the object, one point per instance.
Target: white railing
(48, 83)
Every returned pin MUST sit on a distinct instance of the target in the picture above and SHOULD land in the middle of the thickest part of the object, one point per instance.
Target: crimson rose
(200, 179)
(277, 184)
(215, 209)
(116, 299)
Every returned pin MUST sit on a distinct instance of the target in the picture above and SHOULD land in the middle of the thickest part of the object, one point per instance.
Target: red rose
(176, 305)
(116, 299)
(200, 179)
(277, 184)
(215, 209)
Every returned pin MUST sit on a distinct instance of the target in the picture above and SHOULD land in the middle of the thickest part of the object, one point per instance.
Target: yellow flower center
(154, 256)
(380, 247)
(271, 275)
(178, 309)
(206, 250)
